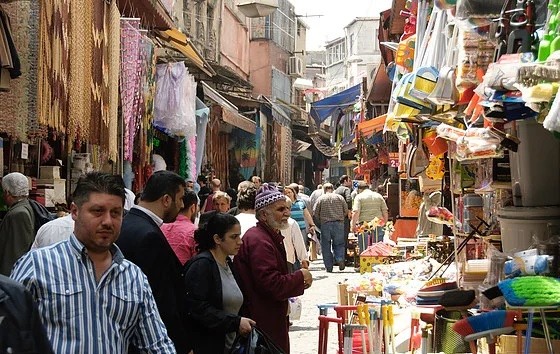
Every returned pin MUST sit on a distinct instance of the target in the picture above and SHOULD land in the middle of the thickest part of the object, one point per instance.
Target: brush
(488, 325)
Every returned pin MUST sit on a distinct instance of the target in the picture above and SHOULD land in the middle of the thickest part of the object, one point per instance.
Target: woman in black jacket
(213, 296)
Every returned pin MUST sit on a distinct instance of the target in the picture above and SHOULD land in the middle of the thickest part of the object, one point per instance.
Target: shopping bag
(295, 308)
(257, 342)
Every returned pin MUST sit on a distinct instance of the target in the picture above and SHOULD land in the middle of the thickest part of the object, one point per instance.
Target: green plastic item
(544, 47)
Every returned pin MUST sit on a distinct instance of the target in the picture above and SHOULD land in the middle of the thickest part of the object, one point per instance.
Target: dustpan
(424, 83)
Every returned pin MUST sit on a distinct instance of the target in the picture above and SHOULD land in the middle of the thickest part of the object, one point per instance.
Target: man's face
(221, 205)
(98, 221)
(348, 182)
(190, 186)
(257, 182)
(194, 209)
(277, 214)
(172, 205)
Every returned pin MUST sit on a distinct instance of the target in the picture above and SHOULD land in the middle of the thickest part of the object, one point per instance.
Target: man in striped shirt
(90, 298)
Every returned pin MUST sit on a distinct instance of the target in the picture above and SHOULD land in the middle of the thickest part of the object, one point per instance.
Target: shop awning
(379, 90)
(151, 12)
(323, 109)
(230, 112)
(181, 43)
(372, 126)
(299, 145)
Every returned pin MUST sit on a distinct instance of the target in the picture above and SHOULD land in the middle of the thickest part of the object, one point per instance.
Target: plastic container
(535, 167)
(519, 226)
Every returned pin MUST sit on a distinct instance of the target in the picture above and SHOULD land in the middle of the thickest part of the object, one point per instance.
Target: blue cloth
(332, 239)
(82, 315)
(323, 109)
(298, 208)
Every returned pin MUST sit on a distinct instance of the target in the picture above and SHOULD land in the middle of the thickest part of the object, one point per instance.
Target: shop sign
(24, 151)
(394, 159)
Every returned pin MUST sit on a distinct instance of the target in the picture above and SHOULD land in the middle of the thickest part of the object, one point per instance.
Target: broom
(488, 325)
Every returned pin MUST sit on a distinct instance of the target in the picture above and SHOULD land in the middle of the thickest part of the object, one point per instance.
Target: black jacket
(142, 242)
(207, 322)
(21, 329)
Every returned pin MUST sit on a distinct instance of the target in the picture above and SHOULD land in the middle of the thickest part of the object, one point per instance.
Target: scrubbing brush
(488, 325)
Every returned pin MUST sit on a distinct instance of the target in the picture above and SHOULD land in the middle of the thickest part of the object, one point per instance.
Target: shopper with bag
(262, 270)
(213, 297)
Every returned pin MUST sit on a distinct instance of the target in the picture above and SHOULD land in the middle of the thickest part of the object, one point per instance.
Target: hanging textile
(130, 80)
(191, 159)
(174, 109)
(113, 60)
(54, 63)
(19, 105)
(81, 64)
(202, 113)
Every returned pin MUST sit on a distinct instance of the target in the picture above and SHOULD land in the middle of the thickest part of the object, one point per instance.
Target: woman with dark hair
(213, 296)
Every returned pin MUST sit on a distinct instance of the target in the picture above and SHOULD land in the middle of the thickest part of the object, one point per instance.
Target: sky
(336, 14)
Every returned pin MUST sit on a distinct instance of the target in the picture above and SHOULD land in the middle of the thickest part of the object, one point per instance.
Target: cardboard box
(49, 172)
(507, 344)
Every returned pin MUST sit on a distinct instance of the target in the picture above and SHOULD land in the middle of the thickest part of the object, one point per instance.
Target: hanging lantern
(257, 8)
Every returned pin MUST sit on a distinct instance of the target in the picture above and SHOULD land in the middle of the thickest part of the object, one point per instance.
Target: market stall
(475, 108)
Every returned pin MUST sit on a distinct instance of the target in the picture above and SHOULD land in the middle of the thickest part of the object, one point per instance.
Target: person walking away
(17, 229)
(331, 208)
(180, 233)
(213, 296)
(21, 329)
(367, 206)
(143, 243)
(246, 206)
(90, 298)
(345, 190)
(314, 196)
(296, 254)
(208, 205)
(262, 270)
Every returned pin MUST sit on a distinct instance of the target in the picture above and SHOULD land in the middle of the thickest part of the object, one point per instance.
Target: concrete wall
(260, 72)
(234, 48)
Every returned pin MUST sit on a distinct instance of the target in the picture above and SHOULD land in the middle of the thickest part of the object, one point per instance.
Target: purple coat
(263, 277)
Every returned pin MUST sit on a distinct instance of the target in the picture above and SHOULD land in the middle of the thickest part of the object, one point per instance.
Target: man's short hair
(343, 179)
(189, 199)
(202, 179)
(362, 185)
(160, 184)
(328, 186)
(246, 195)
(216, 183)
(98, 182)
(219, 195)
(16, 184)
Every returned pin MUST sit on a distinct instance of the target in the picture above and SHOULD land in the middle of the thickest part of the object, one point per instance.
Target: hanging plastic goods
(477, 13)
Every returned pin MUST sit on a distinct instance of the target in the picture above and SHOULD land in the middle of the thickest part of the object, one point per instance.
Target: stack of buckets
(535, 178)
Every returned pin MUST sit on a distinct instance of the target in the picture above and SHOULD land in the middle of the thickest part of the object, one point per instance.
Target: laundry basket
(445, 338)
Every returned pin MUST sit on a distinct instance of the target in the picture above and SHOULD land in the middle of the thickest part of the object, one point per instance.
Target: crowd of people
(186, 268)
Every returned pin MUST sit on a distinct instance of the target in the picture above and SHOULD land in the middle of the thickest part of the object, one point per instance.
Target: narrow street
(304, 334)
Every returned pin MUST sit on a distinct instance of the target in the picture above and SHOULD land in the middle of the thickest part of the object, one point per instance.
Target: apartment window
(336, 53)
(351, 44)
(375, 41)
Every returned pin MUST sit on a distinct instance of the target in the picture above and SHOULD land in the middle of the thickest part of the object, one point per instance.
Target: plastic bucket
(520, 226)
(445, 338)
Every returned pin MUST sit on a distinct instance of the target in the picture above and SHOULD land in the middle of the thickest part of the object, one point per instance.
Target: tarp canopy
(323, 109)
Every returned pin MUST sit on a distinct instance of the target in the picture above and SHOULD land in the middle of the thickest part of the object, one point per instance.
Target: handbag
(257, 342)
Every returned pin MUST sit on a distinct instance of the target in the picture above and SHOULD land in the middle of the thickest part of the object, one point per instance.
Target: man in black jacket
(21, 329)
(142, 242)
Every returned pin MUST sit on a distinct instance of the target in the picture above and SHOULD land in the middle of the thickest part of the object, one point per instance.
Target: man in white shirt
(294, 244)
(54, 231)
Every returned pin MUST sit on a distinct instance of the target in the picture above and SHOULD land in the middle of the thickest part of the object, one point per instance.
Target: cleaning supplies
(487, 325)
(531, 291)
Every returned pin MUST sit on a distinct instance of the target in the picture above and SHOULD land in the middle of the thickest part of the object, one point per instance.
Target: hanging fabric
(202, 113)
(174, 109)
(19, 117)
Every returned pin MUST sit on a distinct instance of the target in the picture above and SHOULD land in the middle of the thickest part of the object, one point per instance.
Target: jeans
(332, 239)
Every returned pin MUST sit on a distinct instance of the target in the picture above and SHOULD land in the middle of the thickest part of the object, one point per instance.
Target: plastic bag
(256, 342)
(295, 308)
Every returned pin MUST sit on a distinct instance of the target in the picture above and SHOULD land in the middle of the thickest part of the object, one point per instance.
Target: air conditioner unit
(295, 67)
